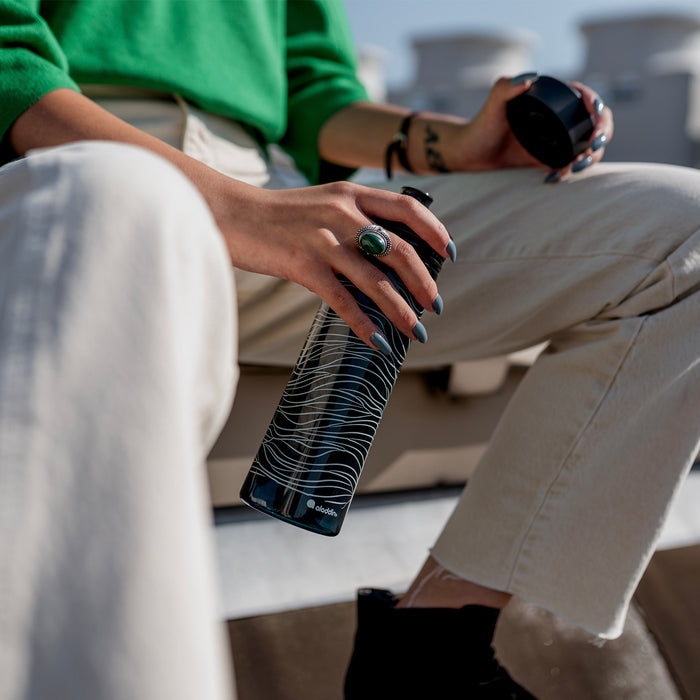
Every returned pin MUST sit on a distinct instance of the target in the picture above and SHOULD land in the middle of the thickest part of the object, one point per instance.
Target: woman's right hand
(307, 235)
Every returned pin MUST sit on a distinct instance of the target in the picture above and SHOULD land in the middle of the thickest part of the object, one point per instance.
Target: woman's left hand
(488, 143)
(603, 129)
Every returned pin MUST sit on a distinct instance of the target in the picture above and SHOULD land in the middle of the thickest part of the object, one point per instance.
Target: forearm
(358, 136)
(65, 116)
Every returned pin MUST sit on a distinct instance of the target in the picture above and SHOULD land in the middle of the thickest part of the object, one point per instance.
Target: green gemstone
(372, 243)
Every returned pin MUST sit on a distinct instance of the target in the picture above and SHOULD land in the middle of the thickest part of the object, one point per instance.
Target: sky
(559, 47)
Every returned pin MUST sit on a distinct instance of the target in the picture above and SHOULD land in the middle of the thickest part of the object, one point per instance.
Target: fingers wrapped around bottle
(314, 235)
(363, 240)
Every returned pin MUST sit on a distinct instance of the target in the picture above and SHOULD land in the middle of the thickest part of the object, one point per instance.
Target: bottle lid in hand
(551, 121)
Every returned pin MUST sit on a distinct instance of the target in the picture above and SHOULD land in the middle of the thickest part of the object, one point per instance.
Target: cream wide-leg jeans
(117, 366)
(116, 369)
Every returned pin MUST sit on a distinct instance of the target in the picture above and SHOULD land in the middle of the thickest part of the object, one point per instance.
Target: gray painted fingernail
(381, 343)
(523, 78)
(599, 142)
(452, 250)
(438, 305)
(553, 177)
(420, 332)
(598, 106)
(580, 165)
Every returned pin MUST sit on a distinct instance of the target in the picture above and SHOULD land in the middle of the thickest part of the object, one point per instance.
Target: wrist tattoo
(433, 156)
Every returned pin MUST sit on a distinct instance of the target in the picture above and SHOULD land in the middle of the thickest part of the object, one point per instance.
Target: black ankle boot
(425, 653)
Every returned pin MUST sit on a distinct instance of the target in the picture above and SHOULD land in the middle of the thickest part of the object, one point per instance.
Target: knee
(656, 208)
(662, 193)
(113, 228)
(112, 181)
(121, 201)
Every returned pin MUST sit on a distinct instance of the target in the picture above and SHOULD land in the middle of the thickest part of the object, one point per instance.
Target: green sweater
(280, 67)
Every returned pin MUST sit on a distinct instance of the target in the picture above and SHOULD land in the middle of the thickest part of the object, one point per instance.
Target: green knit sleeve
(31, 61)
(321, 77)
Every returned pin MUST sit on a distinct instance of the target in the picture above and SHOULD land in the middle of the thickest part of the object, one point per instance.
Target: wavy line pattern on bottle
(325, 423)
(323, 428)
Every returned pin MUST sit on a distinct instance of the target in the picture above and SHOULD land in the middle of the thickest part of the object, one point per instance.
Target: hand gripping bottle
(310, 459)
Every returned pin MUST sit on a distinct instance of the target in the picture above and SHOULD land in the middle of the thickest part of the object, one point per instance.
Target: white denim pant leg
(567, 503)
(117, 366)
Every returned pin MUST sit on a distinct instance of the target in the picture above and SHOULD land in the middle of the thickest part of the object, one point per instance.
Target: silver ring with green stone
(373, 240)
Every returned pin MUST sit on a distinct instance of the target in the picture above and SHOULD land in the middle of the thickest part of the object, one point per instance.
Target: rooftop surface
(268, 566)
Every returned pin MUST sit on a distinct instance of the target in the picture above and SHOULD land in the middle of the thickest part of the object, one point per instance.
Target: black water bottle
(310, 459)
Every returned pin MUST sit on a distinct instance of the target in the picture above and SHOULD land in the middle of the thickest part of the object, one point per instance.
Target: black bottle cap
(423, 197)
(551, 121)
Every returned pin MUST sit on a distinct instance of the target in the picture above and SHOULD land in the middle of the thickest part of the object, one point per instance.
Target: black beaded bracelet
(398, 146)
